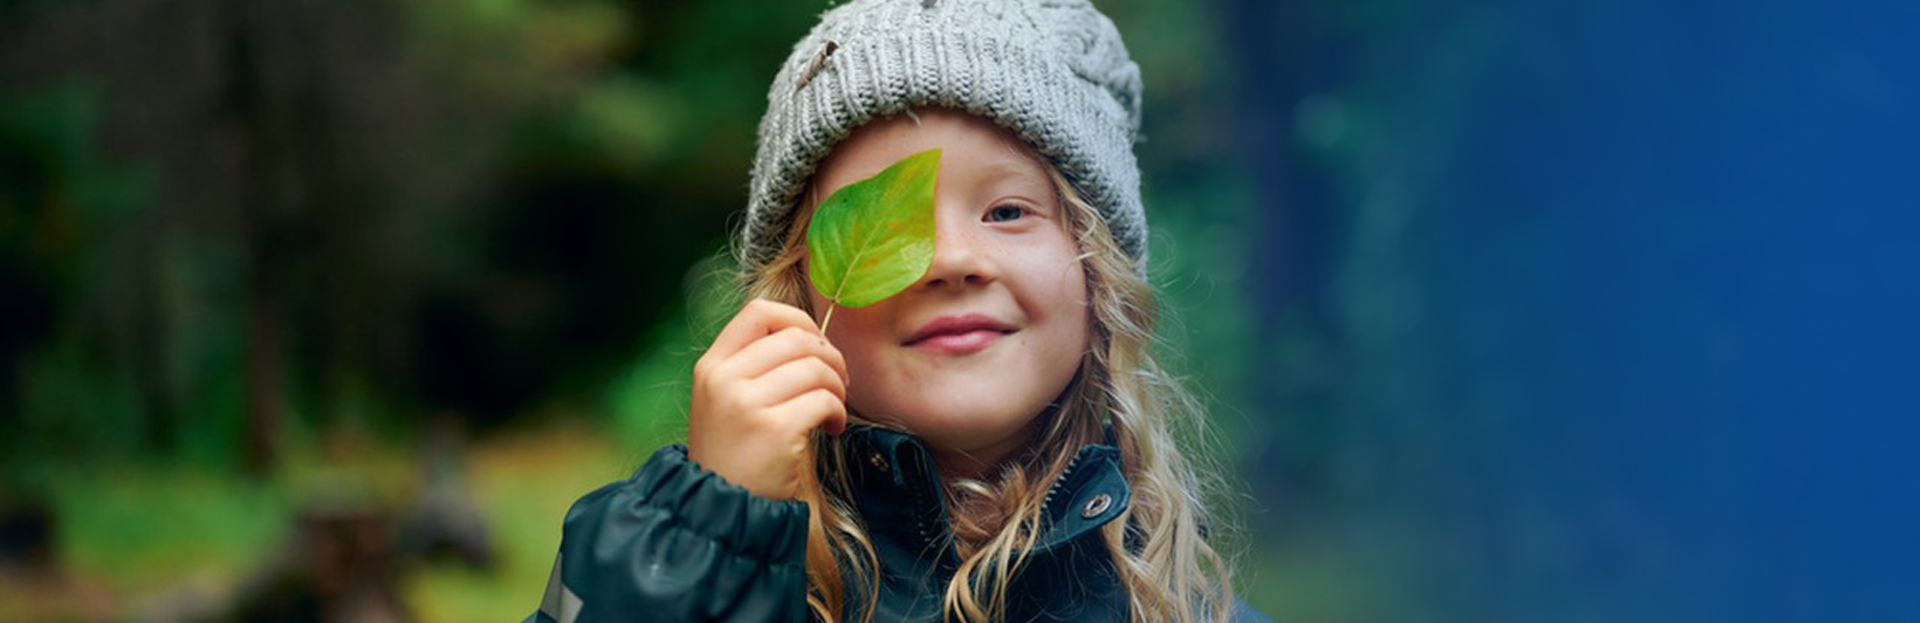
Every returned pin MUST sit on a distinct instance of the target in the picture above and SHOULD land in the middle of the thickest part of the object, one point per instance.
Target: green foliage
(148, 526)
(523, 485)
(491, 204)
(646, 403)
(67, 214)
(873, 238)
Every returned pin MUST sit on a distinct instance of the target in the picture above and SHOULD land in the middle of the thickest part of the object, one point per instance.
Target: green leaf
(873, 238)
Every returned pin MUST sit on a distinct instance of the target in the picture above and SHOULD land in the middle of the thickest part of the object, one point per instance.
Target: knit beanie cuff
(1054, 73)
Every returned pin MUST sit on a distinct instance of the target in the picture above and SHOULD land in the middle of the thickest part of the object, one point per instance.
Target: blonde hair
(1158, 544)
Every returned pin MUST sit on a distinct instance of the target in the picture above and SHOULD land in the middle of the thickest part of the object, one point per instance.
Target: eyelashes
(1005, 212)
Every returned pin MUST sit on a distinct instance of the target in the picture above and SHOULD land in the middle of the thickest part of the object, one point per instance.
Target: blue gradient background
(1669, 302)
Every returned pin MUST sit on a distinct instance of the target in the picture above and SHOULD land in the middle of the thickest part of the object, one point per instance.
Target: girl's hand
(769, 379)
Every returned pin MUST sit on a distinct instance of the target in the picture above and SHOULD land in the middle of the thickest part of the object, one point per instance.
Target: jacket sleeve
(677, 544)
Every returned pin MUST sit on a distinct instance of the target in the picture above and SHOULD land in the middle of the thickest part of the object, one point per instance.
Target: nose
(958, 259)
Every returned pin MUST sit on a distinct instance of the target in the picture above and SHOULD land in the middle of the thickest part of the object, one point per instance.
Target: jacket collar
(899, 492)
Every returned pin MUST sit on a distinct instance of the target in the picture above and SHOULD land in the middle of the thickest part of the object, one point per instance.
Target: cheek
(1079, 310)
(1062, 280)
(1057, 289)
(875, 376)
(861, 334)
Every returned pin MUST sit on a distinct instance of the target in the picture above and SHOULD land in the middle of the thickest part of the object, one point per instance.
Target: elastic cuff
(742, 522)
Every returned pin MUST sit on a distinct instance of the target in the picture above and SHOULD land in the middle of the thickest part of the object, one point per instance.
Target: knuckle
(827, 399)
(797, 315)
(711, 371)
(766, 307)
(751, 395)
(838, 365)
(795, 335)
(778, 307)
(755, 422)
(832, 354)
(745, 316)
(824, 371)
(801, 341)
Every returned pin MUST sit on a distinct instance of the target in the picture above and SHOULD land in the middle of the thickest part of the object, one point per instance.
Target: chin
(962, 429)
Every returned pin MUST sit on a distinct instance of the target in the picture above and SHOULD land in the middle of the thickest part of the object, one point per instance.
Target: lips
(960, 333)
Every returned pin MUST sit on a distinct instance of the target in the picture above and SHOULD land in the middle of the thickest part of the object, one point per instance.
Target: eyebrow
(1001, 170)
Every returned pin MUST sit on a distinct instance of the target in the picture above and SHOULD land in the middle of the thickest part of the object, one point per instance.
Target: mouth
(959, 334)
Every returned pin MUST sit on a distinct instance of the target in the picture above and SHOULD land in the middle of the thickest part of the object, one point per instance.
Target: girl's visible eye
(1005, 212)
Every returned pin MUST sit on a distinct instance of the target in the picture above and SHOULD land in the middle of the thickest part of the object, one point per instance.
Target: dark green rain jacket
(676, 543)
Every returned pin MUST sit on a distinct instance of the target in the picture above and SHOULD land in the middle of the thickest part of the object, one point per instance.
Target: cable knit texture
(1055, 72)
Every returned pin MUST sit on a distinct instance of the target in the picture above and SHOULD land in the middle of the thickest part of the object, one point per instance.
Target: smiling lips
(959, 334)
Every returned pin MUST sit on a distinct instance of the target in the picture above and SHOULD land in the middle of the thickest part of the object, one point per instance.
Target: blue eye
(1003, 213)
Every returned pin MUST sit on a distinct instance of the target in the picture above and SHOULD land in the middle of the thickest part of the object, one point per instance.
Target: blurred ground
(198, 534)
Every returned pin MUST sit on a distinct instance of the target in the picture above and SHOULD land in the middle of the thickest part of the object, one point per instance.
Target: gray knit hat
(1053, 71)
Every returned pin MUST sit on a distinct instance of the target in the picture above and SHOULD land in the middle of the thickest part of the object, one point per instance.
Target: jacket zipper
(1047, 501)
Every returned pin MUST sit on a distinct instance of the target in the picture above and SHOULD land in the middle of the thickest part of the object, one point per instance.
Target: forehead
(970, 145)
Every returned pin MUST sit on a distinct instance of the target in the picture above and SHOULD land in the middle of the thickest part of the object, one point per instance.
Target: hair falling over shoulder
(1171, 572)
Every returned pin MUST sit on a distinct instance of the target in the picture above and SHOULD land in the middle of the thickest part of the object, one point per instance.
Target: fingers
(758, 319)
(817, 408)
(788, 344)
(772, 366)
(798, 377)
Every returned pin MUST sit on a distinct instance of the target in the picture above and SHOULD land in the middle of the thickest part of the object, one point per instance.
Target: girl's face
(993, 333)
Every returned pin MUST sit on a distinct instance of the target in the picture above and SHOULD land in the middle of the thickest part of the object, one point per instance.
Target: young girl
(993, 443)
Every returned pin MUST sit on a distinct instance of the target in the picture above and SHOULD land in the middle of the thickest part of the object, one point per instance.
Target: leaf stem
(827, 319)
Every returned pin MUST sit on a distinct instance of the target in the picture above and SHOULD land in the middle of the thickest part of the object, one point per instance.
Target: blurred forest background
(325, 310)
